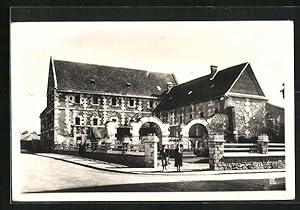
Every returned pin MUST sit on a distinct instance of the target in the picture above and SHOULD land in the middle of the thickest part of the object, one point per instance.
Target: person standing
(178, 156)
(164, 157)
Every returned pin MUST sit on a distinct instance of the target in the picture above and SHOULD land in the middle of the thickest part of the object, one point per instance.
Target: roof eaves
(106, 94)
(54, 72)
(175, 79)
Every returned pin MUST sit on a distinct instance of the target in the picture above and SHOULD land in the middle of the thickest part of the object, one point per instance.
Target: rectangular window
(95, 99)
(151, 104)
(78, 139)
(131, 102)
(77, 99)
(191, 116)
(95, 121)
(114, 101)
(201, 114)
(77, 120)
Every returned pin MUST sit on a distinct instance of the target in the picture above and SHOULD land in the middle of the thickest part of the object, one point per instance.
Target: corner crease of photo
(152, 111)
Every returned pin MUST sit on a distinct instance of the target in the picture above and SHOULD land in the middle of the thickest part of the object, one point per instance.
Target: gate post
(262, 144)
(216, 151)
(150, 159)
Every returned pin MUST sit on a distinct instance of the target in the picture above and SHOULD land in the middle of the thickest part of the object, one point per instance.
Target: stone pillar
(135, 132)
(262, 144)
(151, 149)
(111, 130)
(216, 151)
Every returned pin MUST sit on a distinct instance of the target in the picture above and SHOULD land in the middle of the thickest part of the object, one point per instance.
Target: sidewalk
(187, 169)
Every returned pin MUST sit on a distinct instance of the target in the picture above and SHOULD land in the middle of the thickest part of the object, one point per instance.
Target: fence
(122, 148)
(276, 147)
(135, 155)
(240, 147)
(241, 156)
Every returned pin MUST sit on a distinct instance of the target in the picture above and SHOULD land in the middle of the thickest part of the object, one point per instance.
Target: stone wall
(130, 160)
(251, 163)
(219, 160)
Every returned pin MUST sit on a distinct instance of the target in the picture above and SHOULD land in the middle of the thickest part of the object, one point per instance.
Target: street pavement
(49, 172)
(189, 168)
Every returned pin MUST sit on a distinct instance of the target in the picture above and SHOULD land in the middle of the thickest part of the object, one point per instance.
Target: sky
(186, 49)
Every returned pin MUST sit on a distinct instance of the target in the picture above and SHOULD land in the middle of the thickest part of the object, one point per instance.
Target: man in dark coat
(178, 156)
(164, 156)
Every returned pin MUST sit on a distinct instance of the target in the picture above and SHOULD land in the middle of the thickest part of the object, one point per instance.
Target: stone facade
(238, 112)
(72, 119)
(249, 117)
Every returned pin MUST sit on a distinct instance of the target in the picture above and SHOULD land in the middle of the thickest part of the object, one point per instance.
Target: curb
(171, 173)
(88, 166)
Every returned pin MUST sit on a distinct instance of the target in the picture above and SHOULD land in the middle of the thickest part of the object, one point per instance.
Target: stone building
(275, 123)
(229, 102)
(94, 103)
(87, 103)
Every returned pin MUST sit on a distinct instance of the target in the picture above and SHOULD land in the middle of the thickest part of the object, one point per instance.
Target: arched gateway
(195, 134)
(149, 126)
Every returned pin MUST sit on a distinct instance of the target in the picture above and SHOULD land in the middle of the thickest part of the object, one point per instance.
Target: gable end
(247, 84)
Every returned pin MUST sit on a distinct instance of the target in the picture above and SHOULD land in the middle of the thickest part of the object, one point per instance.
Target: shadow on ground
(192, 186)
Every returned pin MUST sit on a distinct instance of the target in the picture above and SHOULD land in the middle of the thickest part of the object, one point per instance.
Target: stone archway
(136, 127)
(185, 132)
(198, 137)
(186, 128)
(149, 129)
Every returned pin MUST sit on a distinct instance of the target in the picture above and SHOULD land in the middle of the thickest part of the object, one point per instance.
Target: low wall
(263, 159)
(131, 160)
(250, 162)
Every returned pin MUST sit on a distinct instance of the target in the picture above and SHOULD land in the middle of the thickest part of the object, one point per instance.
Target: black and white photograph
(152, 110)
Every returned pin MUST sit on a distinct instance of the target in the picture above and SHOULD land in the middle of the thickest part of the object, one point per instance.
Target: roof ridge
(110, 66)
(184, 83)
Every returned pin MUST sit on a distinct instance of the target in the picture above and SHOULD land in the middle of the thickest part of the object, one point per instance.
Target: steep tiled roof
(74, 76)
(201, 89)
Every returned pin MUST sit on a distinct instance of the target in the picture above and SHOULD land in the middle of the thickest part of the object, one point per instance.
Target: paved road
(42, 174)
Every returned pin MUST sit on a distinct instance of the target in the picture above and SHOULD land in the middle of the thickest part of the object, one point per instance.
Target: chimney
(169, 86)
(213, 71)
